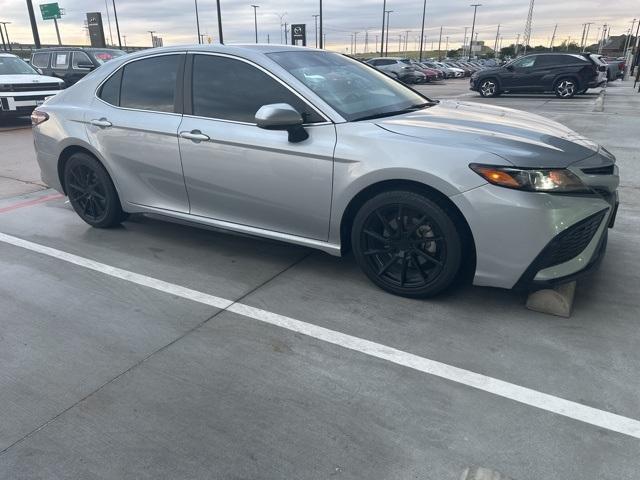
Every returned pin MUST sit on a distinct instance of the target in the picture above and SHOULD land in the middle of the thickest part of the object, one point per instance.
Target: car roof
(8, 55)
(57, 49)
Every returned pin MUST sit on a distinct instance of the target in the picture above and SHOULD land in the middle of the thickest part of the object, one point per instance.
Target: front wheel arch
(348, 216)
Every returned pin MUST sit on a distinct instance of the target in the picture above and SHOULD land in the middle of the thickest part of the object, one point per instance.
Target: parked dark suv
(71, 64)
(565, 74)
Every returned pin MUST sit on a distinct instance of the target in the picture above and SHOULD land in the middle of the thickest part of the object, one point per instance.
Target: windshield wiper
(412, 108)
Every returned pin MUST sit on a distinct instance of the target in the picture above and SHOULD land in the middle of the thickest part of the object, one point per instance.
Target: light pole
(255, 19)
(424, 11)
(198, 22)
(384, 12)
(315, 19)
(473, 26)
(321, 36)
(124, 37)
(386, 46)
(152, 32)
(34, 25)
(219, 22)
(115, 16)
(4, 45)
(6, 34)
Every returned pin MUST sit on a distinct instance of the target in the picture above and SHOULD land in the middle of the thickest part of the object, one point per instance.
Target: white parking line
(527, 396)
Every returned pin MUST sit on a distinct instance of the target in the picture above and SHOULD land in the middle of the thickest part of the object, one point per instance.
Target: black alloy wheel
(566, 88)
(91, 191)
(406, 244)
(489, 88)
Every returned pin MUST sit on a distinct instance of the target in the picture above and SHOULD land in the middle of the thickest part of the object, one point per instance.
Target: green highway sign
(50, 11)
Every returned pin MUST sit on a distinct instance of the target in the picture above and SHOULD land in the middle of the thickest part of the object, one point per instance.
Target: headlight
(540, 180)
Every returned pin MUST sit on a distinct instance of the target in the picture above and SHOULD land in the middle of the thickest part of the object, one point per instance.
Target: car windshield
(15, 66)
(103, 56)
(354, 90)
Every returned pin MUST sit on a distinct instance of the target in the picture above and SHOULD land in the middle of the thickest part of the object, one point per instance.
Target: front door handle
(103, 123)
(195, 135)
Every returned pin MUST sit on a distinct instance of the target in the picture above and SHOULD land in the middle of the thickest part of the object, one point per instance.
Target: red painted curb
(29, 203)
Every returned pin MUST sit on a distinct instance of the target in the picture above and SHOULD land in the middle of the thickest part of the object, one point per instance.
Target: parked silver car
(314, 148)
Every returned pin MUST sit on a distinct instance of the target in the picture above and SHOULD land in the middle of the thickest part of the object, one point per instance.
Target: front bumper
(14, 102)
(515, 231)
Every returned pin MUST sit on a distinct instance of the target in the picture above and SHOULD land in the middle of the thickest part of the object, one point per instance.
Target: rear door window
(40, 60)
(80, 58)
(150, 84)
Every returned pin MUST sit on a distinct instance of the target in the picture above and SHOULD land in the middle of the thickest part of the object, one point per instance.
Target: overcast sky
(174, 20)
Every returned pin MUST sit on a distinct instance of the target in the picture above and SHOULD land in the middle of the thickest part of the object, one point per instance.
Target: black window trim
(188, 93)
(42, 53)
(178, 101)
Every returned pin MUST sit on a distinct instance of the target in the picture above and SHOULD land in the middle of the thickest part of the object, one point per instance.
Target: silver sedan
(317, 149)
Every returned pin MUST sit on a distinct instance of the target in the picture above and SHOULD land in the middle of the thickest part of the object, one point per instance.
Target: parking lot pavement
(19, 172)
(105, 378)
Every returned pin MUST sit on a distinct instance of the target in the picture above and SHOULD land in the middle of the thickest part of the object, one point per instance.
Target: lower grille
(571, 242)
(33, 87)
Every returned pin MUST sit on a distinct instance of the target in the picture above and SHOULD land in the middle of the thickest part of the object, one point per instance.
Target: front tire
(565, 88)
(489, 88)
(406, 244)
(91, 191)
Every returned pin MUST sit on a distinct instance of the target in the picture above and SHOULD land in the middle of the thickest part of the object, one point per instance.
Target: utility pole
(321, 35)
(384, 12)
(440, 44)
(464, 42)
(124, 37)
(6, 33)
(517, 46)
(351, 44)
(584, 28)
(152, 42)
(219, 22)
(268, 39)
(115, 16)
(473, 26)
(355, 41)
(495, 45)
(568, 42)
(553, 37)
(366, 41)
(255, 19)
(286, 34)
(586, 36)
(315, 19)
(386, 47)
(446, 49)
(34, 26)
(197, 23)
(4, 45)
(406, 39)
(424, 11)
(106, 6)
(527, 27)
(399, 43)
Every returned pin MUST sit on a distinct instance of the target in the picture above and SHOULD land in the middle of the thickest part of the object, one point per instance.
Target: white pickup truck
(22, 88)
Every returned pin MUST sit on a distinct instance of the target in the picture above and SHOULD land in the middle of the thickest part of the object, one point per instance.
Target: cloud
(174, 20)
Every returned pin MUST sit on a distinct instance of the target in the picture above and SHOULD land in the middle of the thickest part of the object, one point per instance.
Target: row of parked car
(26, 85)
(412, 71)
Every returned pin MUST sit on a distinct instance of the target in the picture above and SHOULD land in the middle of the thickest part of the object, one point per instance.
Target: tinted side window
(525, 62)
(80, 58)
(150, 84)
(60, 60)
(110, 91)
(40, 60)
(230, 89)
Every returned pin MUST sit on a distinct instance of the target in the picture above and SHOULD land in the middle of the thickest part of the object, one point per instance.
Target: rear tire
(565, 88)
(489, 88)
(91, 192)
(406, 244)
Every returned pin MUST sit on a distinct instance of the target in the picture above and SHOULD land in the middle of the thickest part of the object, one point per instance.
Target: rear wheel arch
(66, 154)
(348, 216)
(568, 76)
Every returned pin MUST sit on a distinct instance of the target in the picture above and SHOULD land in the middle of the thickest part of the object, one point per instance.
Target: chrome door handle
(103, 122)
(195, 135)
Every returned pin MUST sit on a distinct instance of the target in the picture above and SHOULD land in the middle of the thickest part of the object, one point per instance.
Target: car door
(60, 66)
(134, 122)
(237, 172)
(522, 77)
(41, 61)
(78, 70)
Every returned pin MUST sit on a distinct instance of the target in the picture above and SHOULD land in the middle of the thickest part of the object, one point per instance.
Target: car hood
(524, 139)
(20, 79)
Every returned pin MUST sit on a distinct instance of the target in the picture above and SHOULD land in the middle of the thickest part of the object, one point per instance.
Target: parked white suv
(22, 88)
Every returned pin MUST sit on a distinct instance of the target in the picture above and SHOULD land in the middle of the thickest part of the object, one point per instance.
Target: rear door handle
(195, 135)
(103, 123)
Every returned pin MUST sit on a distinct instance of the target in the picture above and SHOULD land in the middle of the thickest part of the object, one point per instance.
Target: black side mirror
(282, 116)
(509, 67)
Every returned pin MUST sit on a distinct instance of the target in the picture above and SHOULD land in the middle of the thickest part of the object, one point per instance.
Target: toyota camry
(317, 149)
